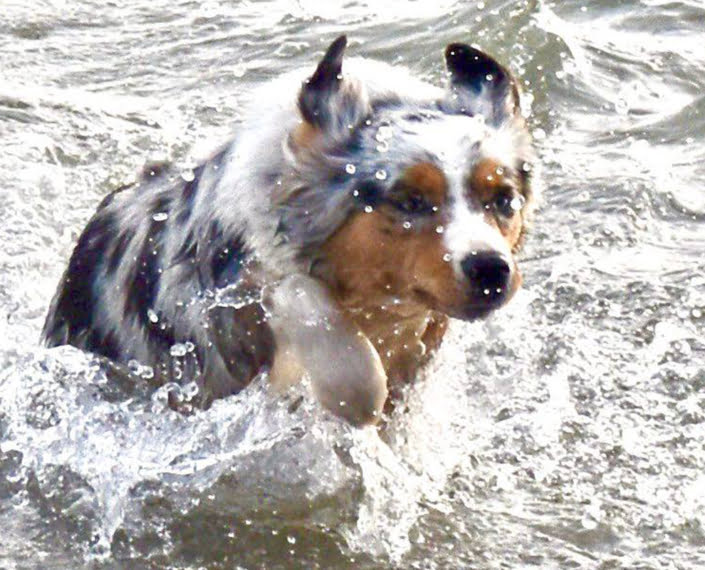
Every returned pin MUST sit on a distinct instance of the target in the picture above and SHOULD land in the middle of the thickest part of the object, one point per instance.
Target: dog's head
(410, 199)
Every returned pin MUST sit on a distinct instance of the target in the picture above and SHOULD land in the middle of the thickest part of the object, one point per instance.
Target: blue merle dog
(333, 237)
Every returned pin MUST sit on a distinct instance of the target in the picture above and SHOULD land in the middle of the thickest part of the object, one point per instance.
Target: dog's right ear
(326, 101)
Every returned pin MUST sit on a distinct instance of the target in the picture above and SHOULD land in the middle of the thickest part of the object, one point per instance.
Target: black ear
(479, 85)
(318, 90)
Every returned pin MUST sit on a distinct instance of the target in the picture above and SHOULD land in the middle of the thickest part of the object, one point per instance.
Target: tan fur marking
(488, 178)
(390, 282)
(429, 180)
(372, 260)
(512, 231)
(305, 135)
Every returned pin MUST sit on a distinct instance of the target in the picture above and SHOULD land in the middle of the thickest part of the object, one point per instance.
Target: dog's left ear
(326, 101)
(479, 85)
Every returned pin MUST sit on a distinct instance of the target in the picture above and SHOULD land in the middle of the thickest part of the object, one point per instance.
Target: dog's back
(142, 278)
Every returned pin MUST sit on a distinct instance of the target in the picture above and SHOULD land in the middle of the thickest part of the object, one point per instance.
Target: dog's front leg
(315, 338)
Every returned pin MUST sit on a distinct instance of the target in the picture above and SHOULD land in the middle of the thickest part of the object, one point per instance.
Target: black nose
(488, 274)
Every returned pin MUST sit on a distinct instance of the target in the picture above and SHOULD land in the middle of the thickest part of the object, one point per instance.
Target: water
(566, 432)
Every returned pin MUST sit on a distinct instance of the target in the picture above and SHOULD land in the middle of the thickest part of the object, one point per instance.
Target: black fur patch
(228, 257)
(190, 189)
(104, 344)
(118, 251)
(75, 304)
(473, 71)
(368, 193)
(144, 286)
(187, 251)
(323, 83)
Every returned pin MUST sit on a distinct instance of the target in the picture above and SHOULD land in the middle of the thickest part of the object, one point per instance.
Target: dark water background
(566, 432)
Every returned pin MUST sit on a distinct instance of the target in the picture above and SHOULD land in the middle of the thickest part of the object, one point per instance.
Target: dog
(352, 215)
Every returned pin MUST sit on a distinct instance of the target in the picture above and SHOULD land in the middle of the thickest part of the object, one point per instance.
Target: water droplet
(588, 522)
(188, 175)
(440, 229)
(406, 225)
(621, 106)
(178, 350)
(350, 168)
(683, 348)
(539, 134)
(369, 209)
(160, 217)
(191, 390)
(152, 316)
(447, 257)
(486, 291)
(696, 313)
(381, 175)
(384, 133)
(517, 203)
(291, 540)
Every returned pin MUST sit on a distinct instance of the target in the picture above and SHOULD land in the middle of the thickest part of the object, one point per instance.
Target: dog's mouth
(470, 310)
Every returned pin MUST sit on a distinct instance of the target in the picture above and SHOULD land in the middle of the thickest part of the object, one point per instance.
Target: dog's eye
(411, 202)
(507, 204)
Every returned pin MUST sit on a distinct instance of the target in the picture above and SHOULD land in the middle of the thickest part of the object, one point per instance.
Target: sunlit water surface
(566, 432)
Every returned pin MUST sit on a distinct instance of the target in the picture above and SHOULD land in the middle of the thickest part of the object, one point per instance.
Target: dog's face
(430, 199)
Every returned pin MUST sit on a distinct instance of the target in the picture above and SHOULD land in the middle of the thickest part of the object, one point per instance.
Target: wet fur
(296, 248)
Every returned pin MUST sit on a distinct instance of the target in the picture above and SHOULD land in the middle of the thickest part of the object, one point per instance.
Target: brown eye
(411, 202)
(507, 203)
